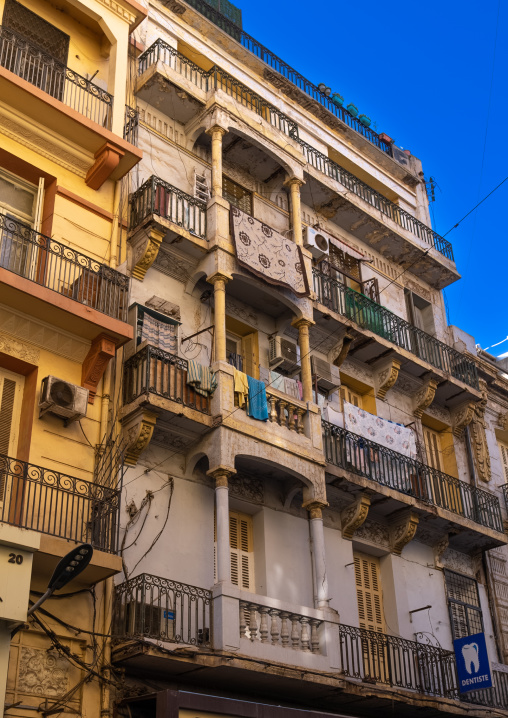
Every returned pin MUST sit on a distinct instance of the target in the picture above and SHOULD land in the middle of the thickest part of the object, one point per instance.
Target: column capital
(216, 129)
(221, 476)
(315, 509)
(219, 276)
(302, 322)
(294, 182)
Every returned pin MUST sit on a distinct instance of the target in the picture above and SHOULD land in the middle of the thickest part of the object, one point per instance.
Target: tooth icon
(470, 656)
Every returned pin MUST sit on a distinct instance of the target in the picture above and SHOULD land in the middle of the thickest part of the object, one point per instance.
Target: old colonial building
(240, 278)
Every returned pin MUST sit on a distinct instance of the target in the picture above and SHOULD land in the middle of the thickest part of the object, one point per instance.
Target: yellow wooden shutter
(11, 389)
(368, 592)
(352, 397)
(503, 448)
(250, 352)
(242, 550)
(433, 448)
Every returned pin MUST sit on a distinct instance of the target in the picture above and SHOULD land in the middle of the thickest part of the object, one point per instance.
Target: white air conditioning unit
(327, 375)
(317, 242)
(284, 354)
(63, 399)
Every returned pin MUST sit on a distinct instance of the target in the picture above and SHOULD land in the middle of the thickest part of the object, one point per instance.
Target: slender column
(216, 134)
(296, 213)
(318, 555)
(303, 340)
(223, 555)
(219, 293)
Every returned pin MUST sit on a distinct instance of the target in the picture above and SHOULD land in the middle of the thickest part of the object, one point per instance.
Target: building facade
(312, 501)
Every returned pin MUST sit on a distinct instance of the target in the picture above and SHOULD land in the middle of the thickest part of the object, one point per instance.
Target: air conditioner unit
(63, 399)
(284, 354)
(400, 156)
(327, 375)
(317, 242)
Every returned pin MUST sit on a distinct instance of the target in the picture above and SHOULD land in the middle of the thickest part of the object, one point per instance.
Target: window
(234, 351)
(157, 329)
(352, 397)
(433, 448)
(419, 312)
(11, 390)
(242, 347)
(464, 604)
(368, 592)
(237, 195)
(503, 450)
(242, 551)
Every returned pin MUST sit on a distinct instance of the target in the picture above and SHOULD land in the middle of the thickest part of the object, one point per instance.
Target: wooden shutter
(352, 397)
(242, 551)
(503, 449)
(433, 448)
(368, 592)
(11, 387)
(250, 352)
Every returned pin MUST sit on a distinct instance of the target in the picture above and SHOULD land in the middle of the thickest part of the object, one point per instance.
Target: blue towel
(258, 406)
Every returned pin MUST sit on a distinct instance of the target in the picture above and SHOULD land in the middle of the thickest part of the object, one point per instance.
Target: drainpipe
(485, 560)
(106, 657)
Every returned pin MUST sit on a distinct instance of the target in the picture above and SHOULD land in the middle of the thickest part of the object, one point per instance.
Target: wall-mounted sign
(473, 667)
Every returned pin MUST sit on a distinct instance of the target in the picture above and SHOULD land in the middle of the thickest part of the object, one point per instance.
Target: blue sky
(423, 73)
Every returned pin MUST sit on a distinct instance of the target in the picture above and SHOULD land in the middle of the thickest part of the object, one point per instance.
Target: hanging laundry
(241, 387)
(291, 388)
(382, 431)
(258, 405)
(159, 334)
(264, 375)
(277, 381)
(201, 378)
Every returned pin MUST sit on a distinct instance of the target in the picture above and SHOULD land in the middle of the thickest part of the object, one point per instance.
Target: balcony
(362, 457)
(371, 316)
(169, 207)
(49, 502)
(152, 607)
(50, 279)
(199, 83)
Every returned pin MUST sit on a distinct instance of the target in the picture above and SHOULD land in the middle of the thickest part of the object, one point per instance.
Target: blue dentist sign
(473, 667)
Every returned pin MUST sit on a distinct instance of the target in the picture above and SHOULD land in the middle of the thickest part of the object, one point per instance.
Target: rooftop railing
(50, 502)
(20, 56)
(153, 370)
(404, 219)
(389, 468)
(156, 197)
(131, 125)
(370, 315)
(153, 607)
(46, 262)
(217, 79)
(275, 63)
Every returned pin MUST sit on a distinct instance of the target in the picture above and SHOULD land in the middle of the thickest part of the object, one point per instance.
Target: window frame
(449, 576)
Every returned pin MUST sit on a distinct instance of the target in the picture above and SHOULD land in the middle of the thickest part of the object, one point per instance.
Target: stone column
(223, 554)
(321, 598)
(216, 134)
(303, 340)
(219, 282)
(294, 185)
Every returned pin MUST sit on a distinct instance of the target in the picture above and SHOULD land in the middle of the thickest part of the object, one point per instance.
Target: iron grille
(35, 29)
(464, 604)
(237, 195)
(345, 262)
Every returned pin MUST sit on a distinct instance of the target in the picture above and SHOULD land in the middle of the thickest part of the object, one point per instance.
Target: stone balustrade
(285, 411)
(280, 628)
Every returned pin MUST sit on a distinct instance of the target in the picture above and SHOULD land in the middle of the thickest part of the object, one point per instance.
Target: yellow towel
(241, 387)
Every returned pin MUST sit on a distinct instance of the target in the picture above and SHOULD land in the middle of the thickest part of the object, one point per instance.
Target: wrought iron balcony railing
(155, 371)
(45, 261)
(370, 315)
(153, 607)
(131, 124)
(217, 79)
(275, 63)
(20, 56)
(389, 468)
(404, 219)
(50, 502)
(160, 198)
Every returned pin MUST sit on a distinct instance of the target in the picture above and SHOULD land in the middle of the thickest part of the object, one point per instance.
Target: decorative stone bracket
(439, 550)
(462, 417)
(145, 246)
(107, 159)
(386, 377)
(138, 430)
(342, 349)
(424, 397)
(94, 365)
(355, 515)
(403, 532)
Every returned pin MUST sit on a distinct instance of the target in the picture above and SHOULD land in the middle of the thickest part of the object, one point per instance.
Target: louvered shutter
(503, 448)
(11, 386)
(242, 556)
(368, 592)
(347, 394)
(250, 352)
(433, 448)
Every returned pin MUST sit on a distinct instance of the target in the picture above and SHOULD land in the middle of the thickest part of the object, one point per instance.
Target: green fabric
(366, 313)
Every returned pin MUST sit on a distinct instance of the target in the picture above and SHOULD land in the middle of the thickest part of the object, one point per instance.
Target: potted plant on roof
(366, 121)
(352, 109)
(337, 99)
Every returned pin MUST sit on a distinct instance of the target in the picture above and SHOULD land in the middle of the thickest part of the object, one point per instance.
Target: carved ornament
(315, 509)
(404, 532)
(20, 350)
(355, 515)
(439, 549)
(342, 349)
(138, 429)
(174, 6)
(424, 397)
(374, 532)
(145, 247)
(101, 352)
(173, 263)
(479, 436)
(247, 487)
(387, 377)
(462, 417)
(42, 672)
